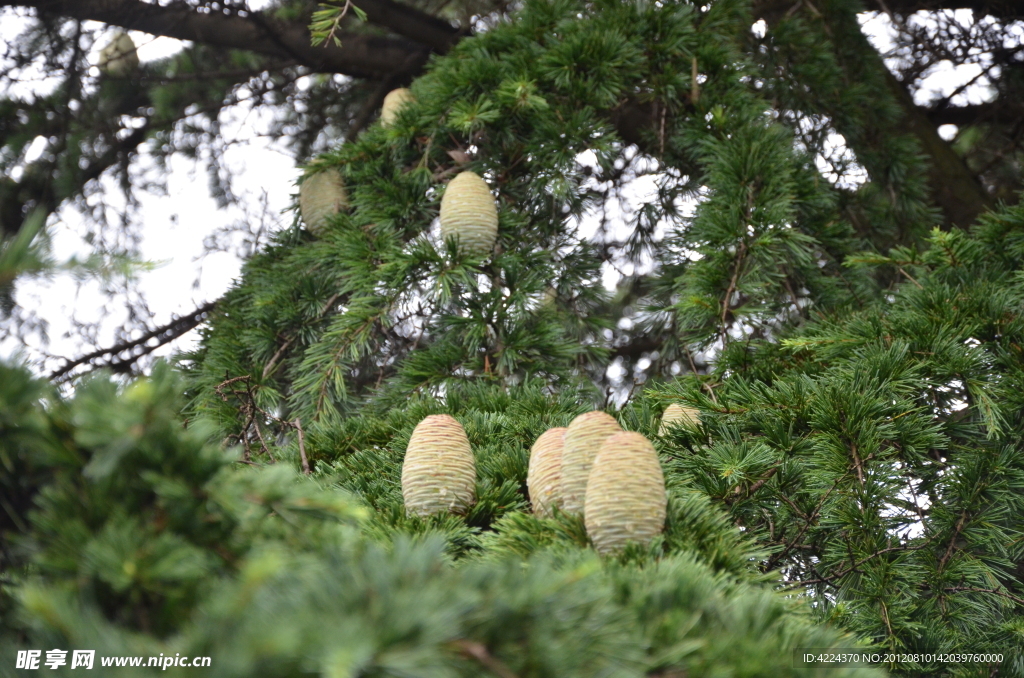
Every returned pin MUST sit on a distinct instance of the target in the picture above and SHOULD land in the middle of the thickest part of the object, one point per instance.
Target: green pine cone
(626, 499)
(119, 59)
(469, 214)
(322, 195)
(583, 439)
(543, 479)
(394, 101)
(677, 414)
(439, 472)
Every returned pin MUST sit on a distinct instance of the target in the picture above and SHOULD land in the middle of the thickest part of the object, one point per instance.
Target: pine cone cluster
(612, 476)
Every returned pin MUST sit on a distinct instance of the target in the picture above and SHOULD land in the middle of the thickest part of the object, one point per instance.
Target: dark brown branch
(361, 55)
(400, 77)
(137, 348)
(385, 59)
(411, 23)
(1001, 9)
(996, 111)
(955, 189)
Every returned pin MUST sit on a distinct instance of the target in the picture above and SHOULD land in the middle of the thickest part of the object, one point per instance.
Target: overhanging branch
(125, 354)
(360, 55)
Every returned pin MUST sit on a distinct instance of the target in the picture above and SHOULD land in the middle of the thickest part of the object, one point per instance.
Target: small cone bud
(119, 58)
(394, 101)
(677, 414)
(321, 195)
(468, 213)
(439, 472)
(626, 499)
(543, 478)
(583, 439)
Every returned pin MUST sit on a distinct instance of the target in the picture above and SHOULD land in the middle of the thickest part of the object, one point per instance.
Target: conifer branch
(250, 409)
(271, 366)
(136, 348)
(854, 566)
(738, 493)
(997, 592)
(808, 520)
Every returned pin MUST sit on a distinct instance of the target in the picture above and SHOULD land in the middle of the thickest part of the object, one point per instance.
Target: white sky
(176, 225)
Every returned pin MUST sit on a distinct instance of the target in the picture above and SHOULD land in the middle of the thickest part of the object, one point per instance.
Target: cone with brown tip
(322, 195)
(394, 101)
(626, 501)
(543, 479)
(468, 213)
(677, 414)
(583, 439)
(438, 472)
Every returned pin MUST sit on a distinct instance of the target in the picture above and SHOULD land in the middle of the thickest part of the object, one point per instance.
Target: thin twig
(843, 573)
(911, 279)
(753, 488)
(331, 37)
(271, 365)
(997, 592)
(952, 541)
(479, 652)
(810, 519)
(694, 87)
(302, 447)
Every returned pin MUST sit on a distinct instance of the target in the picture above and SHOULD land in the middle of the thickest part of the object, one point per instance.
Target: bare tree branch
(411, 23)
(994, 112)
(121, 356)
(1001, 9)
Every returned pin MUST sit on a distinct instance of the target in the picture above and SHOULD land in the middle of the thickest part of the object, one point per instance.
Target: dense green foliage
(857, 475)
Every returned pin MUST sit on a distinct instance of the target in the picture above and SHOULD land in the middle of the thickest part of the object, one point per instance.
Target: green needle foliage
(856, 477)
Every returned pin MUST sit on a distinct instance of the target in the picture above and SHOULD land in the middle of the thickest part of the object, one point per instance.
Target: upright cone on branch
(543, 479)
(119, 58)
(394, 101)
(322, 195)
(583, 439)
(469, 214)
(677, 414)
(626, 501)
(438, 472)
(549, 298)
